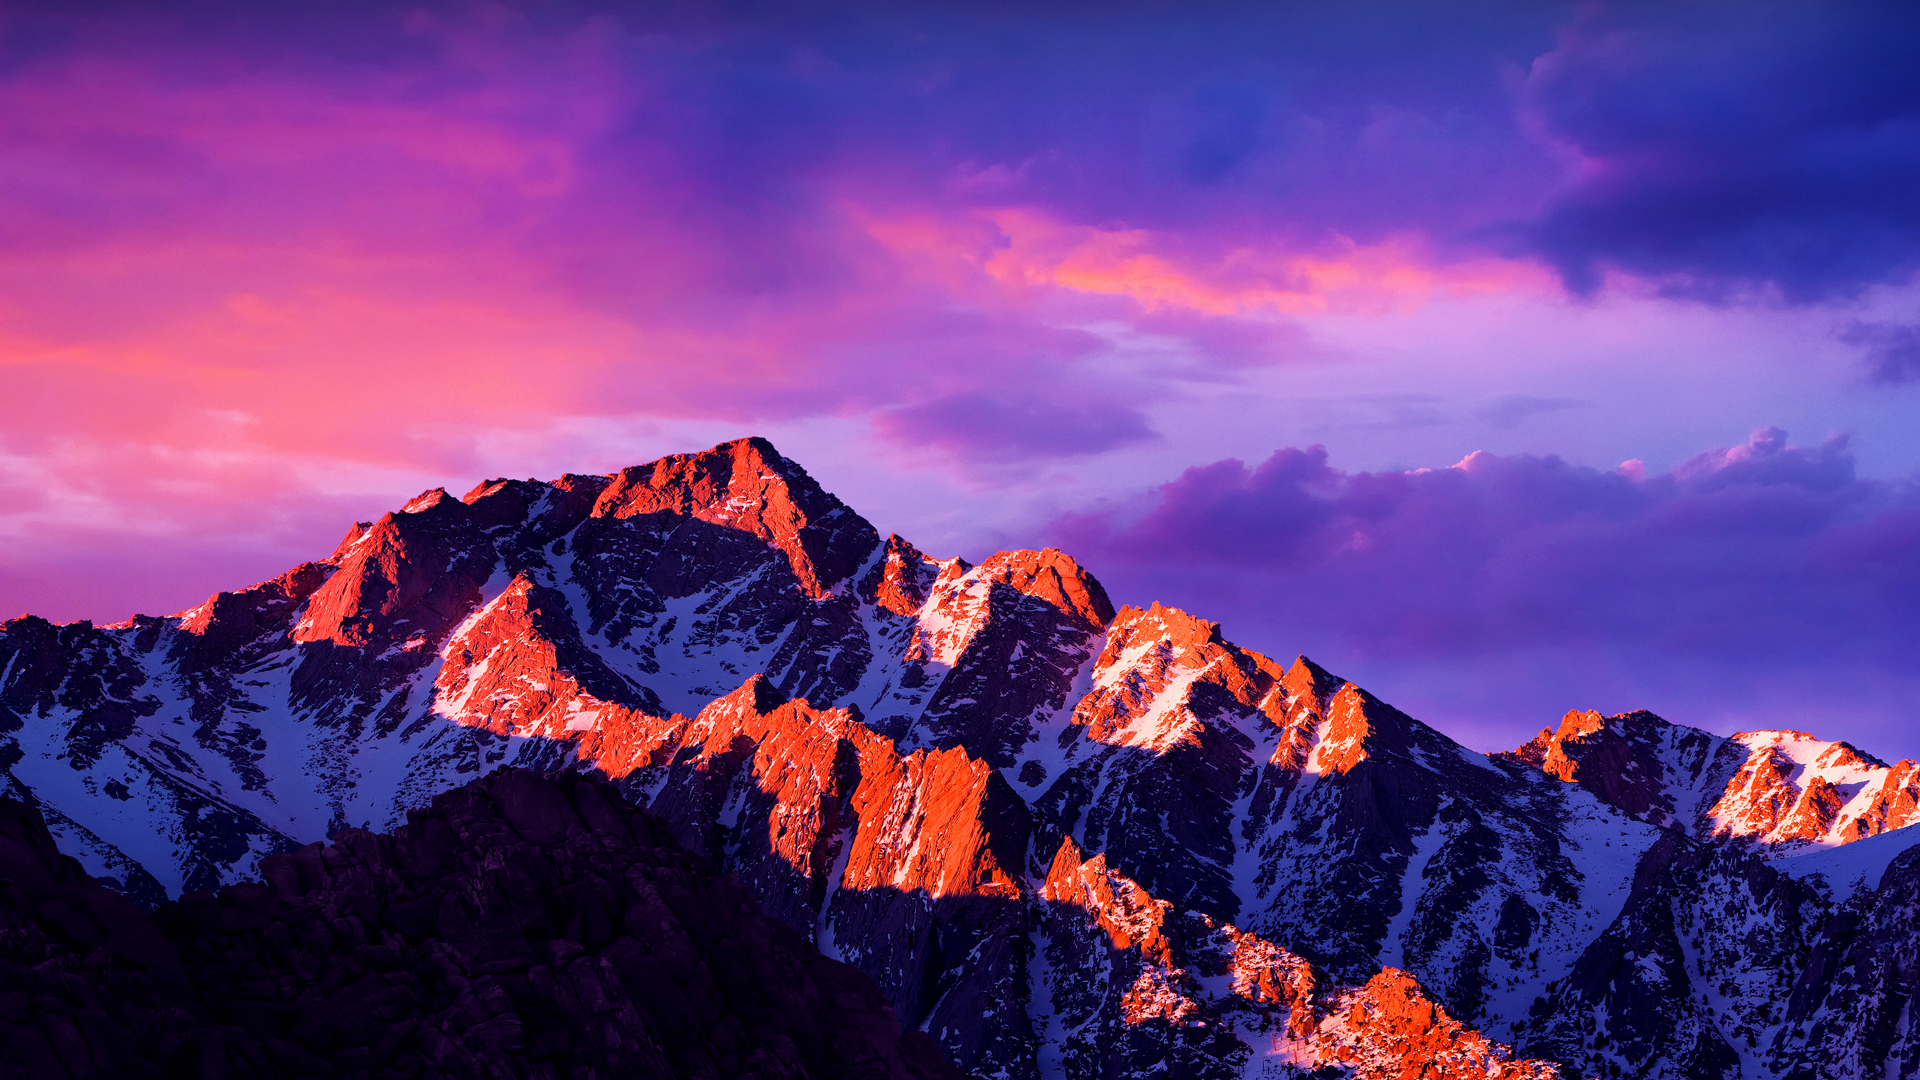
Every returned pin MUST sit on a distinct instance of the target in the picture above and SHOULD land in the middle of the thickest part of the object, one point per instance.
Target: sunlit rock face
(1785, 790)
(1063, 840)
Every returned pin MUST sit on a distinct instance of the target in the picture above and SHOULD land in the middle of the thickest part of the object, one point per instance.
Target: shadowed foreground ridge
(522, 926)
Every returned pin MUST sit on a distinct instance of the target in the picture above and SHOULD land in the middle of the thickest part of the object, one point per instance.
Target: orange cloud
(1026, 249)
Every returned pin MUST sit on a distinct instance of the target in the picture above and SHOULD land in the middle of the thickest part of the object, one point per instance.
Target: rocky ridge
(1136, 985)
(893, 752)
(1785, 790)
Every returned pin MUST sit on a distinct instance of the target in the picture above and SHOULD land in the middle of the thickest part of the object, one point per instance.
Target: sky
(1507, 358)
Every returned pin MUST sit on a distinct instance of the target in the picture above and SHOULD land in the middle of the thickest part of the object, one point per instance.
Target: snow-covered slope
(1855, 867)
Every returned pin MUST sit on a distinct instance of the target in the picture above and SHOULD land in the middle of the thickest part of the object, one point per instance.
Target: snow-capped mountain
(1065, 840)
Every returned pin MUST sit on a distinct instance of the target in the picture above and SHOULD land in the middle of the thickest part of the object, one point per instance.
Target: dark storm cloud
(1726, 146)
(1892, 350)
(1714, 147)
(1752, 554)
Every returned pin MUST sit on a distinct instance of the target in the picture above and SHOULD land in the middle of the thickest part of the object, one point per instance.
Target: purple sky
(1333, 322)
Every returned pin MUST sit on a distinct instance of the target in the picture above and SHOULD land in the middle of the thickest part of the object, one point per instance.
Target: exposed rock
(1134, 984)
(900, 864)
(1785, 789)
(1850, 1012)
(1694, 978)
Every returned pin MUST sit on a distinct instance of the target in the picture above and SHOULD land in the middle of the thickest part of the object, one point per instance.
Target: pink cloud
(1026, 248)
(372, 269)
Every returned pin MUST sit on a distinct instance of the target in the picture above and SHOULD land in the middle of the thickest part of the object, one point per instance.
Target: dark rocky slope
(522, 926)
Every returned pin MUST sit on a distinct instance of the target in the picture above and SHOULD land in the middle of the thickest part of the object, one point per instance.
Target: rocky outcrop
(899, 863)
(1132, 984)
(1721, 965)
(520, 927)
(1635, 761)
(1305, 809)
(1784, 789)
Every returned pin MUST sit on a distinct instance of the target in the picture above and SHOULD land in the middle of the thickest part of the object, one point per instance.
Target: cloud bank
(1727, 147)
(1768, 558)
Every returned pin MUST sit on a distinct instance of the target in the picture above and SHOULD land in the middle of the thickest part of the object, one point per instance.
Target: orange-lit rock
(743, 485)
(1142, 971)
(900, 582)
(1782, 788)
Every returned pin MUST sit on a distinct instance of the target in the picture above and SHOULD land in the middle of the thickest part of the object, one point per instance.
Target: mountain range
(1062, 840)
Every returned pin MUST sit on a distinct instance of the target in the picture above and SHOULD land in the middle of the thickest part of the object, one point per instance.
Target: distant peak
(482, 488)
(1181, 628)
(1635, 724)
(1053, 576)
(426, 500)
(1773, 736)
(747, 457)
(354, 533)
(757, 447)
(1580, 722)
(1845, 753)
(1306, 679)
(757, 694)
(746, 485)
(1833, 753)
(705, 476)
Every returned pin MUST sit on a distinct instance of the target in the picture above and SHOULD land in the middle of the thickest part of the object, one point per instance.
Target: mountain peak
(1636, 761)
(1181, 628)
(745, 484)
(1775, 786)
(1053, 576)
(710, 480)
(1308, 681)
(426, 500)
(900, 580)
(757, 694)
(1578, 723)
(354, 532)
(1810, 750)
